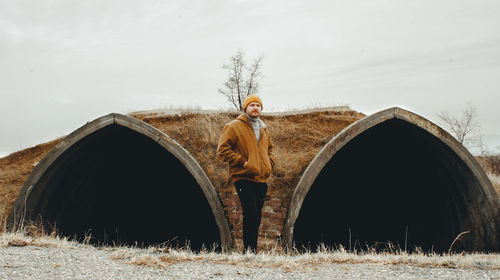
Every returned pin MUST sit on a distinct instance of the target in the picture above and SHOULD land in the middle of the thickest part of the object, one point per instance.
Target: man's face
(254, 109)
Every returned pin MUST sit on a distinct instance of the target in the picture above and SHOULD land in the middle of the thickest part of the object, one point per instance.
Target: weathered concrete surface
(35, 194)
(472, 198)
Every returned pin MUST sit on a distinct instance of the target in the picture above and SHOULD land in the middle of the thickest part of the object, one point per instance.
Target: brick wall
(271, 225)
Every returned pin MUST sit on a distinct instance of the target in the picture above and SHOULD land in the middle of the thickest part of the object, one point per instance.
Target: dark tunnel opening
(394, 183)
(123, 188)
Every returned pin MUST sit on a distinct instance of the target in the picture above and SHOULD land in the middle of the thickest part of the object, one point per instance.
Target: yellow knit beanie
(251, 98)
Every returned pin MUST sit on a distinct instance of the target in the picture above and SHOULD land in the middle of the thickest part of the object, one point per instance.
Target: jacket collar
(244, 118)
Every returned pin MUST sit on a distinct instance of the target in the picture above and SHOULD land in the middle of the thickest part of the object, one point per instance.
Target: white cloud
(62, 100)
(85, 58)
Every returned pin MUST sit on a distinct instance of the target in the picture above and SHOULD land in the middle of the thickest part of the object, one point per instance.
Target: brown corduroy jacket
(238, 144)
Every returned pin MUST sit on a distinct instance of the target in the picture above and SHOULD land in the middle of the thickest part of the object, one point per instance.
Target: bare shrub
(465, 127)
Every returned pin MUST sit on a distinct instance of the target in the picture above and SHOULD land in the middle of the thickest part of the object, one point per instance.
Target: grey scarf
(257, 124)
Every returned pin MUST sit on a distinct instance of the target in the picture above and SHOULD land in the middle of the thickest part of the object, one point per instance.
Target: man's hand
(245, 164)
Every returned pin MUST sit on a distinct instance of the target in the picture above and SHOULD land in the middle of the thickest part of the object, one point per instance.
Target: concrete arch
(93, 162)
(451, 194)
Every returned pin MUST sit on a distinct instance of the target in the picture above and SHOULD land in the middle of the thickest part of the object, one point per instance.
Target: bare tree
(242, 79)
(463, 128)
(467, 131)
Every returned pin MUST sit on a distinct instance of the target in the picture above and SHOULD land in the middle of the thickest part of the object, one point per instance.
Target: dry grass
(163, 257)
(151, 257)
(19, 239)
(14, 170)
(490, 163)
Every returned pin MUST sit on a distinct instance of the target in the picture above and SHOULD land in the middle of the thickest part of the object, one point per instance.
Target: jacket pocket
(251, 167)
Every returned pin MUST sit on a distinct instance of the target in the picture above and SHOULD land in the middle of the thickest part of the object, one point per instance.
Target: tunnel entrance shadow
(122, 187)
(392, 183)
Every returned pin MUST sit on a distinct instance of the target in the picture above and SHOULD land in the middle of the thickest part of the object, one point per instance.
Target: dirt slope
(14, 170)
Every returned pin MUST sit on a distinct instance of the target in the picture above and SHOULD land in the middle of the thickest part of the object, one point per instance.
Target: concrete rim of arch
(347, 134)
(19, 208)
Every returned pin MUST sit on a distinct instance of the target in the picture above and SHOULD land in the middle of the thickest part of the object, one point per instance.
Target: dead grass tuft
(164, 256)
(20, 239)
(308, 260)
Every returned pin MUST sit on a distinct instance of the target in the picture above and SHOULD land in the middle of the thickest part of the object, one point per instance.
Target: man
(246, 146)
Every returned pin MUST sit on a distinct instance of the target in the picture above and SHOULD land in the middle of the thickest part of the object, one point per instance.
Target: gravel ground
(33, 262)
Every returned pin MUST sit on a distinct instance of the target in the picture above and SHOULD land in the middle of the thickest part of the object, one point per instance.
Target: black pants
(252, 199)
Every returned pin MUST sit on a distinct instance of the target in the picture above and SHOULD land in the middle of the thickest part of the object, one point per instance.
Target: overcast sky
(66, 62)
